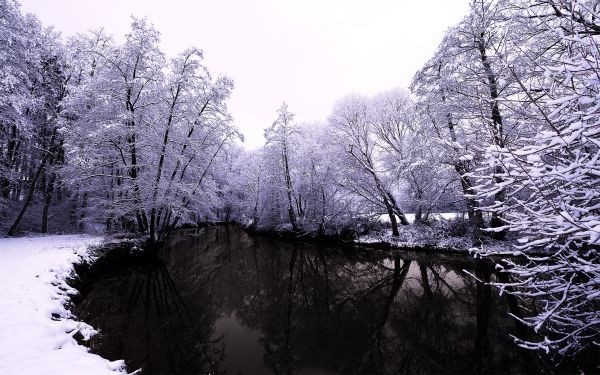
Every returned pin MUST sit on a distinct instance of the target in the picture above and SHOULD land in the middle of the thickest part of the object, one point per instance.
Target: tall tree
(353, 126)
(148, 132)
(280, 136)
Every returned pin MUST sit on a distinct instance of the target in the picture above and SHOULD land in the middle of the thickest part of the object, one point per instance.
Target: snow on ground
(436, 235)
(385, 218)
(421, 236)
(411, 236)
(36, 331)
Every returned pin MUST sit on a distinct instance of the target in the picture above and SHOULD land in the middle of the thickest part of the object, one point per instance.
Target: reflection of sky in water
(451, 277)
(243, 352)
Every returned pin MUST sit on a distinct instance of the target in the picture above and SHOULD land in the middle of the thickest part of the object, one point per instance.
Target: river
(221, 301)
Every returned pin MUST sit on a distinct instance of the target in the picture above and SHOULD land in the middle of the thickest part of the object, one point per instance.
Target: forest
(501, 126)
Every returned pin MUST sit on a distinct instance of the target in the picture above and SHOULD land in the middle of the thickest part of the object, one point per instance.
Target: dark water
(223, 301)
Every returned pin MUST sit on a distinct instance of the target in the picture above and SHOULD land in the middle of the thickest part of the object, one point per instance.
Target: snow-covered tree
(149, 132)
(33, 80)
(554, 179)
(354, 130)
(279, 137)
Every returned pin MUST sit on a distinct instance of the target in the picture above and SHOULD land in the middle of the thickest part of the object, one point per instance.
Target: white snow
(385, 218)
(32, 289)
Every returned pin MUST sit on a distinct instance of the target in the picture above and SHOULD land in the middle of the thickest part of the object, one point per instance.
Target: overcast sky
(308, 53)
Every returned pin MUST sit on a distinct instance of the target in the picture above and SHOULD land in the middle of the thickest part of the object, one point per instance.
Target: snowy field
(36, 331)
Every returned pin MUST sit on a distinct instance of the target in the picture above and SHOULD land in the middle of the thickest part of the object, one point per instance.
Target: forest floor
(37, 330)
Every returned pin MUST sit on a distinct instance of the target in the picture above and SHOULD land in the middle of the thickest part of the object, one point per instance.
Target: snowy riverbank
(439, 235)
(37, 329)
(421, 237)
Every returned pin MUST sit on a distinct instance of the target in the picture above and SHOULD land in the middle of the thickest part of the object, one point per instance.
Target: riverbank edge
(377, 244)
(77, 354)
(106, 258)
(100, 257)
(374, 240)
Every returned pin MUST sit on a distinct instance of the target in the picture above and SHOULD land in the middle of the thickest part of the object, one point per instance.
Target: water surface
(221, 301)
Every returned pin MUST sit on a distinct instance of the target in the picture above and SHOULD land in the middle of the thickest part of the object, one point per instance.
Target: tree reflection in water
(144, 318)
(223, 301)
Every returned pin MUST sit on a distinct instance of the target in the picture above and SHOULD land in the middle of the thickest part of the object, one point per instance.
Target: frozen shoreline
(37, 329)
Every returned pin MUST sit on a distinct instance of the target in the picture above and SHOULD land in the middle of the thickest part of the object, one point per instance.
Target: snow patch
(385, 218)
(37, 331)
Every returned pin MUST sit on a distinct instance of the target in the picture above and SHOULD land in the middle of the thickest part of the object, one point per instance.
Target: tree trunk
(84, 202)
(475, 217)
(419, 211)
(15, 225)
(474, 213)
(160, 165)
(288, 182)
(390, 203)
(134, 168)
(497, 135)
(255, 211)
(133, 173)
(419, 215)
(322, 224)
(5, 185)
(73, 218)
(34, 180)
(392, 216)
(47, 200)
